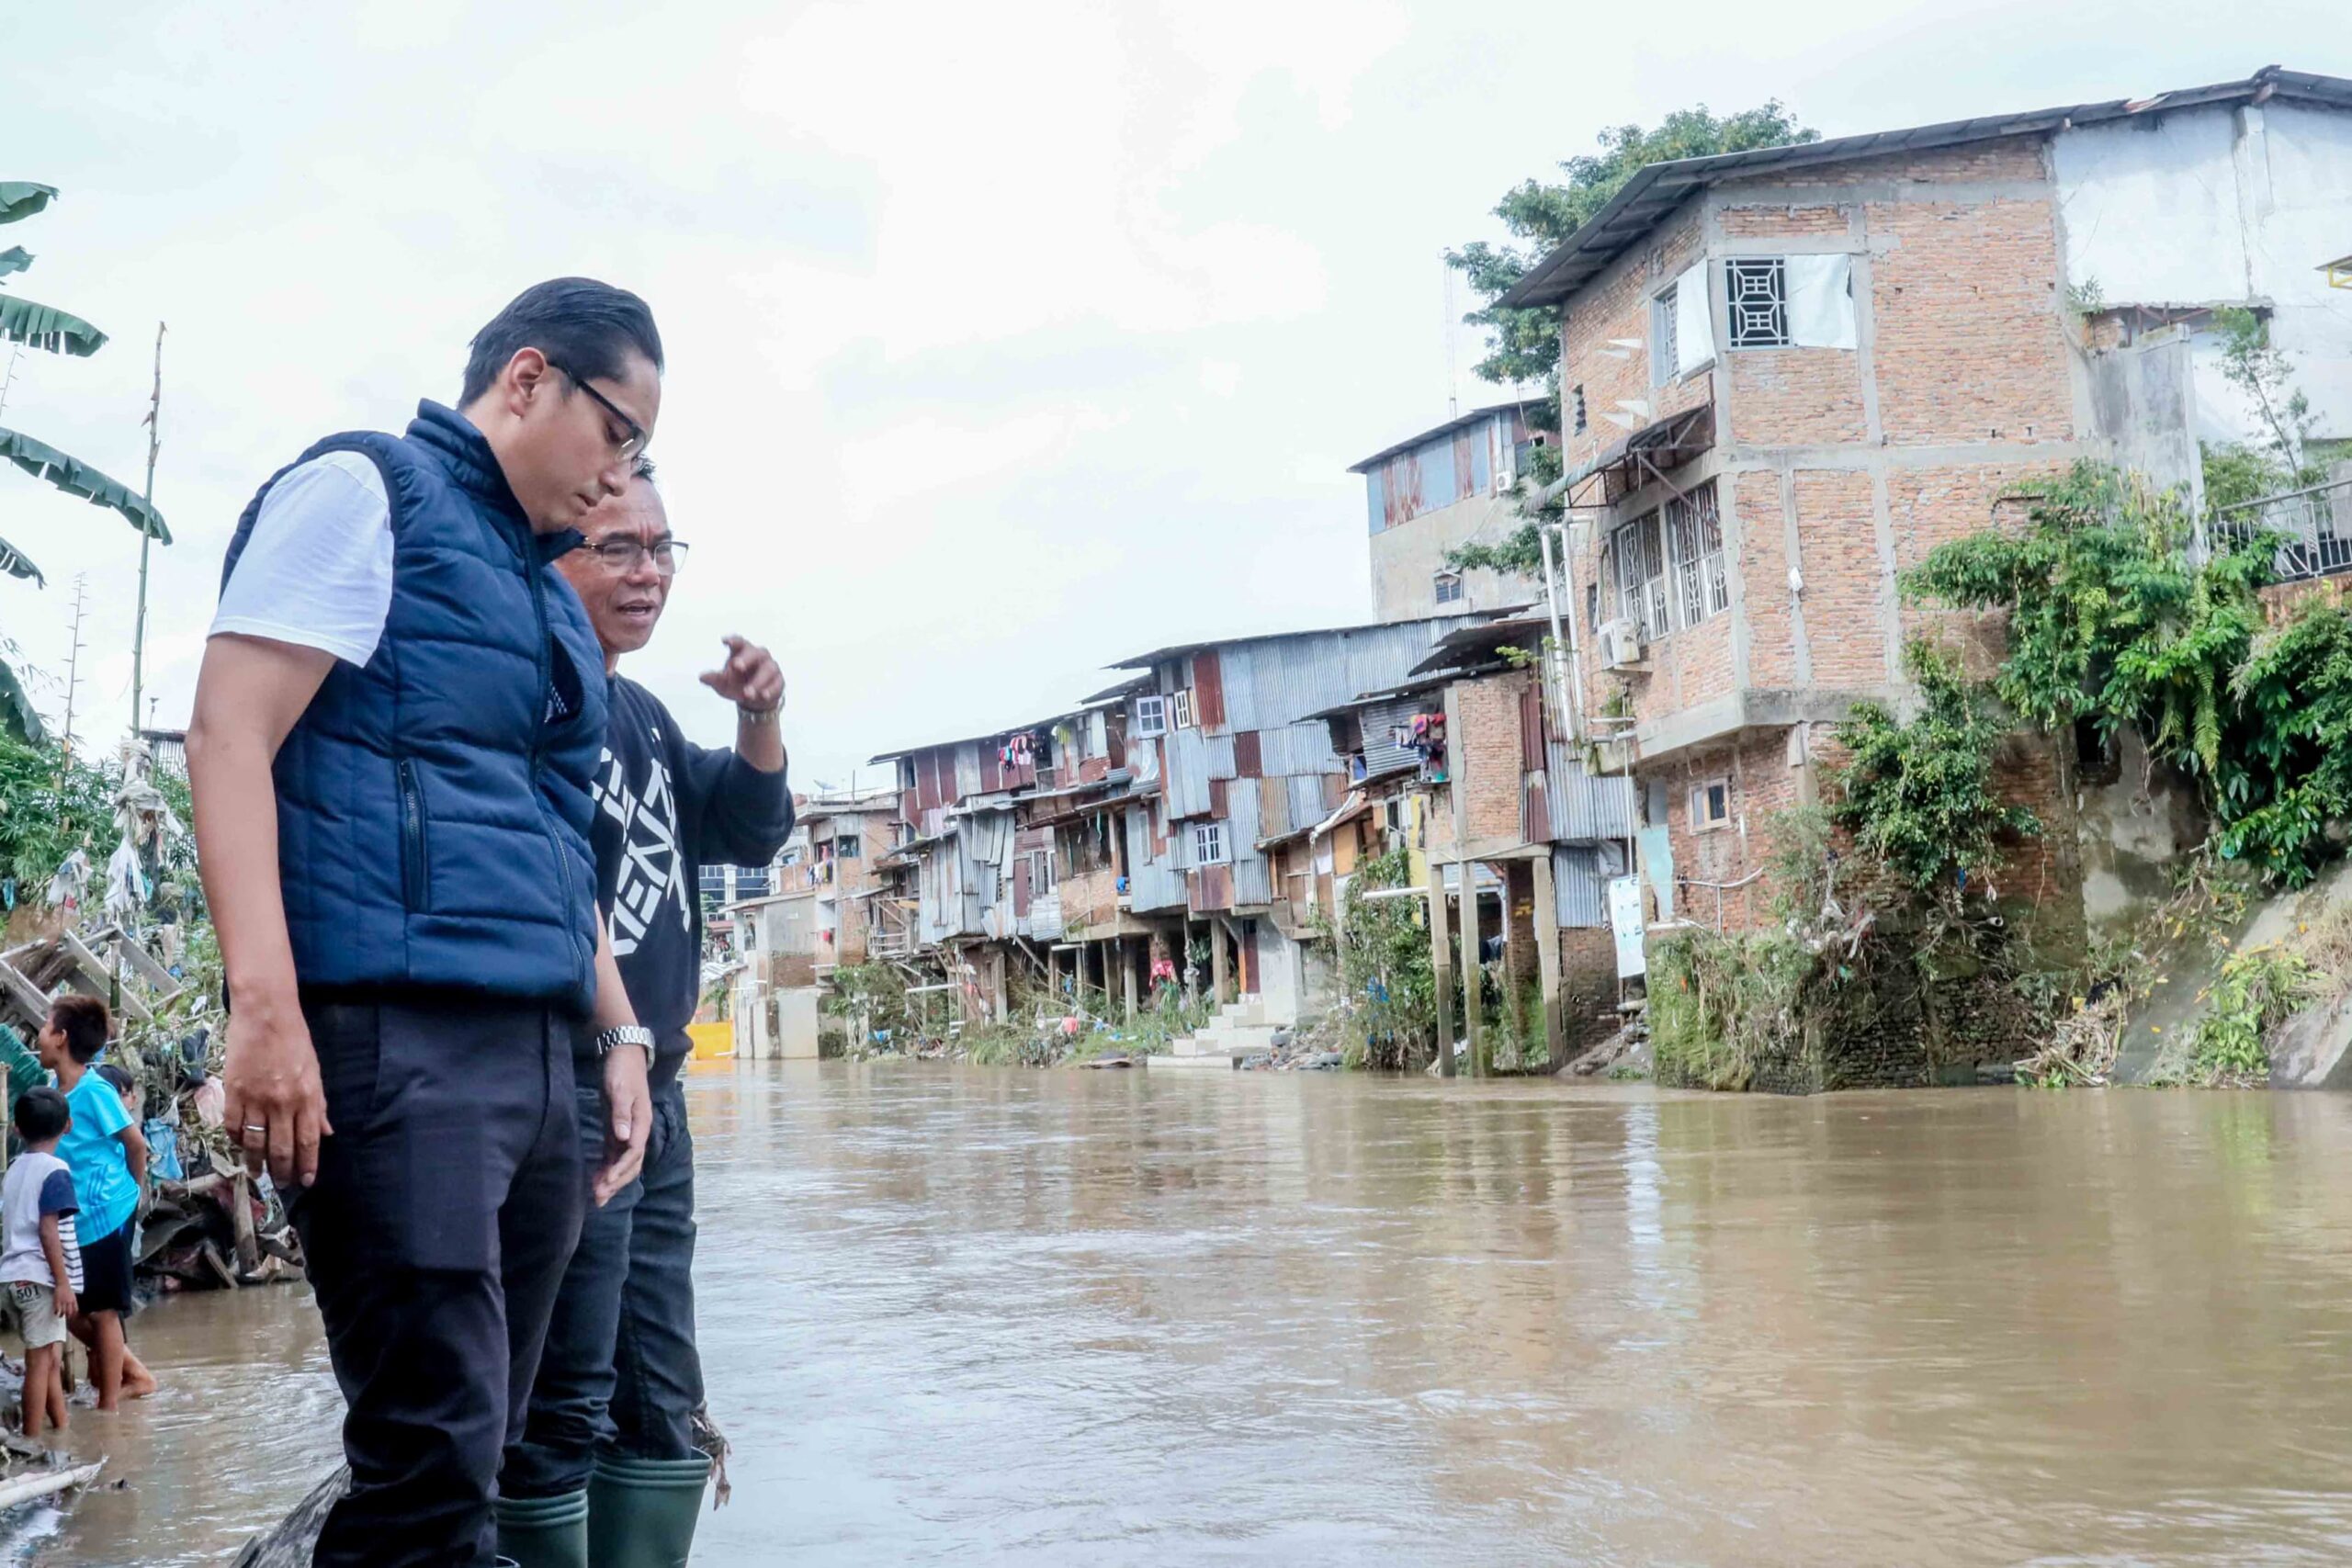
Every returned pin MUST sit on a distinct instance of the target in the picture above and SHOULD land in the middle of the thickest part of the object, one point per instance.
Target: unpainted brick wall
(1482, 747)
(1616, 306)
(1588, 986)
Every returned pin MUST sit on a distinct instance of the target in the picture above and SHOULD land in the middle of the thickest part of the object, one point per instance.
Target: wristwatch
(627, 1035)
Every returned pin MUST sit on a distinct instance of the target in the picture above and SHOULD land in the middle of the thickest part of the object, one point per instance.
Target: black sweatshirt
(665, 806)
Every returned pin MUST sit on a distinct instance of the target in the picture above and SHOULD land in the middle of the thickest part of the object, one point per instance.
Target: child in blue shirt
(108, 1157)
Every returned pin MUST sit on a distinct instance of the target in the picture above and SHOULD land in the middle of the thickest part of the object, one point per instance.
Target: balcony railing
(2313, 526)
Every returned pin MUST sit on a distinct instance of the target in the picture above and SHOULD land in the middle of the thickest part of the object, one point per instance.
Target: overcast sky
(1005, 339)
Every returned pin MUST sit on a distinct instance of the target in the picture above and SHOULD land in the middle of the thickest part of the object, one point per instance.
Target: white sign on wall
(1625, 921)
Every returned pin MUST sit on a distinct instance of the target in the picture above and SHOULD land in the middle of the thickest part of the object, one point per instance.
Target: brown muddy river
(1088, 1319)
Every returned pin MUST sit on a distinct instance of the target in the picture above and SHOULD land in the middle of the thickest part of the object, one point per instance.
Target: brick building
(1789, 374)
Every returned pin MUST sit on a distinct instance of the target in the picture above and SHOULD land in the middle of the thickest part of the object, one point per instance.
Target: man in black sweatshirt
(607, 1455)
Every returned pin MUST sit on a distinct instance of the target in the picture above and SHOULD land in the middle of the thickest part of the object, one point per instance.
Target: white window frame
(1694, 547)
(1208, 844)
(1441, 580)
(1665, 351)
(1181, 716)
(1043, 875)
(1703, 819)
(1641, 577)
(1151, 717)
(1758, 318)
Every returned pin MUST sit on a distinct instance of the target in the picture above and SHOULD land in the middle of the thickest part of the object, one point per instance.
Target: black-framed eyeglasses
(622, 554)
(633, 445)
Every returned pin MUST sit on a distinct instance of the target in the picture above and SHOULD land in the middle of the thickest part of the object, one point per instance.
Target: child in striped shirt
(41, 1261)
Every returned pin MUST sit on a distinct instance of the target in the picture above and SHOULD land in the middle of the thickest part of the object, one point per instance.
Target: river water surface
(1083, 1319)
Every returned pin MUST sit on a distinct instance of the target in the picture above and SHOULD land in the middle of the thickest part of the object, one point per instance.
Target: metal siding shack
(1208, 689)
(967, 769)
(1380, 722)
(1187, 784)
(1581, 807)
(1298, 748)
(1241, 834)
(1580, 886)
(1274, 818)
(1306, 794)
(1252, 882)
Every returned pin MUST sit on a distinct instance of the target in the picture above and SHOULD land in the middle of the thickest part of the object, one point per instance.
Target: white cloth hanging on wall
(1694, 337)
(1821, 301)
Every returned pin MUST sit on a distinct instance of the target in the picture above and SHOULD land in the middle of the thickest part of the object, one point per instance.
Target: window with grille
(1151, 717)
(1181, 716)
(1755, 293)
(1208, 843)
(1576, 408)
(1448, 587)
(1641, 576)
(1665, 341)
(1694, 541)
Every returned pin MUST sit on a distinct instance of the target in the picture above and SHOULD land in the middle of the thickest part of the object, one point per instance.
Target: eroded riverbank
(1075, 1319)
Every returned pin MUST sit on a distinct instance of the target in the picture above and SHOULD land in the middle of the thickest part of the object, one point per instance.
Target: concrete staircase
(1236, 1031)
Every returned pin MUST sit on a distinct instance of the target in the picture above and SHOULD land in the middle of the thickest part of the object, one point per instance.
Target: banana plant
(45, 327)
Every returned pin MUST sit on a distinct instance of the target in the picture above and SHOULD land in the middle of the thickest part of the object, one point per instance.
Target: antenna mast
(154, 422)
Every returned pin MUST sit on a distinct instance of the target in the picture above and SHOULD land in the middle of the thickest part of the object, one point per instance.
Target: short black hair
(85, 1022)
(585, 326)
(115, 1076)
(41, 1113)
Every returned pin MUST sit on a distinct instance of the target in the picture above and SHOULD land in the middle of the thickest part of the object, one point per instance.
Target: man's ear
(525, 377)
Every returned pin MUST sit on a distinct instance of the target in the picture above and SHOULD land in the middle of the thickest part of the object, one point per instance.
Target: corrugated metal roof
(1448, 428)
(1645, 200)
(1163, 655)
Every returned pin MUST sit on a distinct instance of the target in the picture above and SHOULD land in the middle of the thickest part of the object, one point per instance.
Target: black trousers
(447, 1205)
(621, 1374)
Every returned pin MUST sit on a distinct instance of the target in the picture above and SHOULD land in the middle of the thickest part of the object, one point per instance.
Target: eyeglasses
(622, 554)
(631, 445)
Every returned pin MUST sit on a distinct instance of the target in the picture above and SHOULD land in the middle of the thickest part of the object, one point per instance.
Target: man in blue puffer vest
(393, 751)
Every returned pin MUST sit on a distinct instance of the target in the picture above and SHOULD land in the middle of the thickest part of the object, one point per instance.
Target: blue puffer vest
(432, 818)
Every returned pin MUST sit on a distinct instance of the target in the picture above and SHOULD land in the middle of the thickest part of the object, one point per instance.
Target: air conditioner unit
(1621, 644)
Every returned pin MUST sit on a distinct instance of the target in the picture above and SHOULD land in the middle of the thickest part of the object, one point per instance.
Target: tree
(1524, 345)
(45, 327)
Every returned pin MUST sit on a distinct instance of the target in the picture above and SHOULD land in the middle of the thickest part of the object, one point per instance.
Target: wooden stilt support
(1473, 1024)
(1547, 959)
(1442, 961)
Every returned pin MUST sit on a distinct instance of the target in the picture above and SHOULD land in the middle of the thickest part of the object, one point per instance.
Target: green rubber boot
(641, 1512)
(544, 1532)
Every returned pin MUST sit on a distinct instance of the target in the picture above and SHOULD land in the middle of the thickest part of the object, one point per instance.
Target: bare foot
(138, 1383)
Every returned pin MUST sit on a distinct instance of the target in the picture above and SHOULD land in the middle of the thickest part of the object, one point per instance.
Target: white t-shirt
(38, 1184)
(317, 569)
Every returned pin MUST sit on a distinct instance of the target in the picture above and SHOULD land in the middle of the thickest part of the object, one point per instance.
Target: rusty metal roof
(1645, 199)
(1448, 428)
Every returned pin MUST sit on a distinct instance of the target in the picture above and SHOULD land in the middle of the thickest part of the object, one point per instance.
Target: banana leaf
(15, 563)
(46, 326)
(76, 478)
(16, 258)
(22, 198)
(17, 716)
